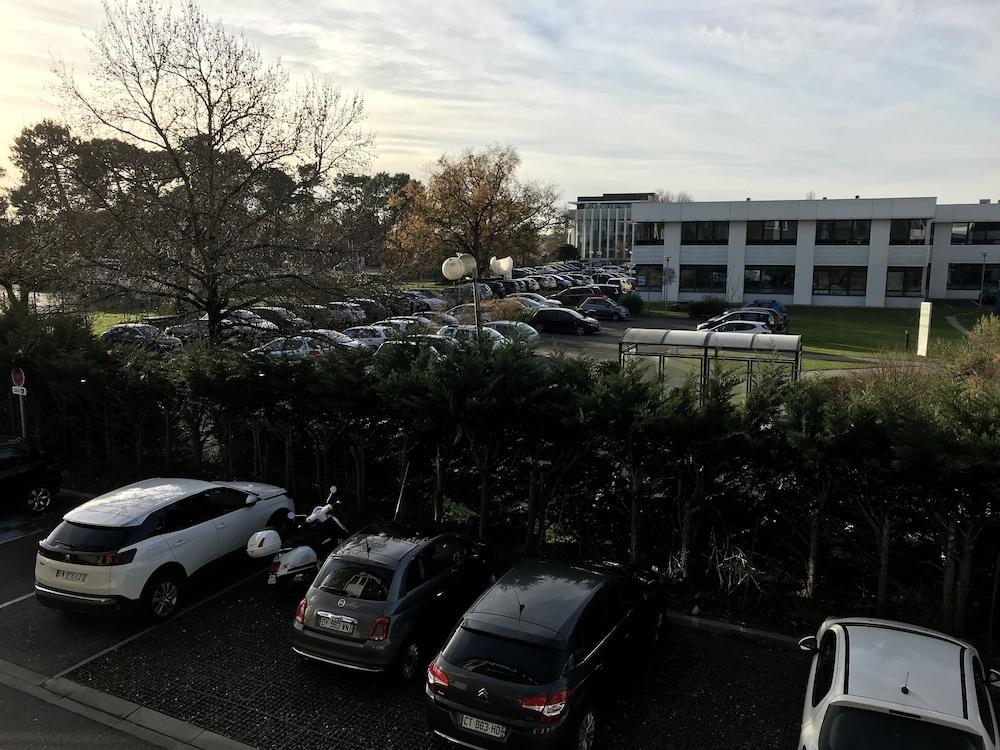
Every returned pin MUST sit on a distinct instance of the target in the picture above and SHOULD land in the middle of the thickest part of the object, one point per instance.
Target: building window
(649, 233)
(843, 232)
(649, 278)
(970, 276)
(904, 282)
(907, 231)
(705, 233)
(703, 279)
(777, 232)
(975, 233)
(840, 280)
(771, 279)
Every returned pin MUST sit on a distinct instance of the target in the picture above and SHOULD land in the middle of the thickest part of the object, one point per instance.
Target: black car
(602, 307)
(561, 320)
(387, 596)
(537, 656)
(141, 335)
(27, 476)
(509, 287)
(611, 291)
(497, 287)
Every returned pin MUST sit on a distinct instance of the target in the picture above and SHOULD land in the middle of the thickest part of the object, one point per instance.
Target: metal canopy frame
(707, 347)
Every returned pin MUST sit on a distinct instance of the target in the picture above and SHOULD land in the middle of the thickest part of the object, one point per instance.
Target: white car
(738, 326)
(245, 321)
(330, 338)
(408, 323)
(345, 314)
(371, 336)
(515, 330)
(468, 335)
(540, 299)
(136, 547)
(289, 349)
(883, 685)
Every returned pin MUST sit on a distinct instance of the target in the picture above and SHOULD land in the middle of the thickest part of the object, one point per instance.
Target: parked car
(388, 596)
(467, 313)
(884, 685)
(329, 338)
(576, 294)
(427, 302)
(767, 317)
(344, 314)
(772, 304)
(409, 323)
(28, 478)
(371, 310)
(540, 298)
(738, 326)
(141, 335)
(440, 318)
(509, 286)
(543, 281)
(496, 287)
(538, 655)
(515, 330)
(466, 334)
(563, 320)
(245, 322)
(371, 336)
(602, 307)
(288, 349)
(285, 320)
(135, 548)
(405, 350)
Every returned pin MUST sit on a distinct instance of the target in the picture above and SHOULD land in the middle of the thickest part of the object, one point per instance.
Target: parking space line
(19, 599)
(143, 632)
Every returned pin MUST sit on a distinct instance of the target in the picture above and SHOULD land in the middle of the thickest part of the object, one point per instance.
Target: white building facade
(602, 225)
(882, 252)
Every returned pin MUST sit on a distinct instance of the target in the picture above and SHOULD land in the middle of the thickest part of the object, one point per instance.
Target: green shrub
(707, 307)
(632, 302)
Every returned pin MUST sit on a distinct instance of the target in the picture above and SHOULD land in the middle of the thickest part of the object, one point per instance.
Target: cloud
(721, 98)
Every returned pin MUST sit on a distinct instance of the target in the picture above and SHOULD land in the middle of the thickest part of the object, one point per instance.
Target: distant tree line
(870, 493)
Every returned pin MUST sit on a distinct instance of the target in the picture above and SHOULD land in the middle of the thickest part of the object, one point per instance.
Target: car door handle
(439, 594)
(179, 542)
(221, 524)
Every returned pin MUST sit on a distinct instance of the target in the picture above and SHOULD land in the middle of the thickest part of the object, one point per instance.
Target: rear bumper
(446, 724)
(51, 597)
(363, 656)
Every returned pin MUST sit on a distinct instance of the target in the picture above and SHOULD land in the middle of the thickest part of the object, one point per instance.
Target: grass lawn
(102, 321)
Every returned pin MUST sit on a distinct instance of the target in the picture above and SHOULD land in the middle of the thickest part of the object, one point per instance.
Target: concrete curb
(720, 626)
(152, 726)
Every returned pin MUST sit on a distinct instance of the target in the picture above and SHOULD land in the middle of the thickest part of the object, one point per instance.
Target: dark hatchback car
(538, 655)
(561, 320)
(388, 596)
(602, 307)
(27, 476)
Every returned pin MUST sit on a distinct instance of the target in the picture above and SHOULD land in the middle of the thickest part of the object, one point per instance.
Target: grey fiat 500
(388, 596)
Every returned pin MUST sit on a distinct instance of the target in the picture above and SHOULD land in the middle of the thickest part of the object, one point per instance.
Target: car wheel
(616, 316)
(161, 597)
(410, 664)
(586, 731)
(38, 499)
(579, 330)
(540, 327)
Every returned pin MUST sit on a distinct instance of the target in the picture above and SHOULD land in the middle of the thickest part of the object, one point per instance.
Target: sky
(724, 99)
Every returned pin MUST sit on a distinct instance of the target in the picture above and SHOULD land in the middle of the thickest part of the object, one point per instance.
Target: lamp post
(465, 266)
(982, 282)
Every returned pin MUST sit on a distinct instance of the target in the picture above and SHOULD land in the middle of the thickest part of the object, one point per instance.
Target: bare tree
(665, 196)
(215, 190)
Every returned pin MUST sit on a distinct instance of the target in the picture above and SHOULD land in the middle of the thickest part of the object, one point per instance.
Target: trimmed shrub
(632, 302)
(707, 307)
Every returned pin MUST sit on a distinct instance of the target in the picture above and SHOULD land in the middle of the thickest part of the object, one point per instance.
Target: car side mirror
(252, 500)
(808, 644)
(995, 679)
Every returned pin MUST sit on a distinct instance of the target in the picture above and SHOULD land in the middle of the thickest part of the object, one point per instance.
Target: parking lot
(225, 664)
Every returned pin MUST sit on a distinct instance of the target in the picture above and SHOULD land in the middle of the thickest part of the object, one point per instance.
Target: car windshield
(849, 728)
(356, 580)
(84, 538)
(504, 658)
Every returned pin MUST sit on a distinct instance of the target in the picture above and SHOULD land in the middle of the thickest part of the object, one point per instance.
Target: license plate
(484, 727)
(69, 575)
(336, 625)
(272, 579)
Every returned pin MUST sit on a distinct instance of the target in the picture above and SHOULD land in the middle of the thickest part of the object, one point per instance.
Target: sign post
(923, 334)
(18, 389)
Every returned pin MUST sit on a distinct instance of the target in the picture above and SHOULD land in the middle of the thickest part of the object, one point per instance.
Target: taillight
(436, 678)
(380, 629)
(300, 612)
(116, 558)
(549, 707)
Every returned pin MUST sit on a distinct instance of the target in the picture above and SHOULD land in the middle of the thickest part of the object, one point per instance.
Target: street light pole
(982, 282)
(475, 300)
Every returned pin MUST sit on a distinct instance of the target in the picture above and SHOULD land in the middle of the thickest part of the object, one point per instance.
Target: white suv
(135, 547)
(882, 685)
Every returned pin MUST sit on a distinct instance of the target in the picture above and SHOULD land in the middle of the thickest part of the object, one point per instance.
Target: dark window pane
(837, 280)
(773, 279)
(649, 277)
(904, 282)
(705, 233)
(356, 580)
(843, 232)
(960, 233)
(503, 658)
(907, 231)
(984, 233)
(850, 728)
(826, 660)
(970, 276)
(703, 279)
(83, 538)
(649, 233)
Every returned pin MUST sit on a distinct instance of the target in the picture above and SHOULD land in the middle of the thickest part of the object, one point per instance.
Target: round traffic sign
(17, 376)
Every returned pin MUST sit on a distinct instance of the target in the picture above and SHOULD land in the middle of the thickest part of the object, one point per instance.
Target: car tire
(161, 597)
(616, 316)
(579, 330)
(540, 327)
(38, 499)
(409, 661)
(585, 737)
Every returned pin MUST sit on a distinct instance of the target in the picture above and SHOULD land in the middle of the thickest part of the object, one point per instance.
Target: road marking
(19, 599)
(143, 632)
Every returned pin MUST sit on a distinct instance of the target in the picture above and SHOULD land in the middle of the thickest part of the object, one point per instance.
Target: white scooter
(308, 538)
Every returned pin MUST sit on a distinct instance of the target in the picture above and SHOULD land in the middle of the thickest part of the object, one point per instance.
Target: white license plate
(69, 575)
(272, 579)
(484, 727)
(338, 625)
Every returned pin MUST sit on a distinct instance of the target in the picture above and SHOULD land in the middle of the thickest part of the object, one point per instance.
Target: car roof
(130, 505)
(882, 656)
(385, 544)
(546, 594)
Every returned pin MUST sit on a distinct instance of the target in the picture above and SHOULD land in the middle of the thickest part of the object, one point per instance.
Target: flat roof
(757, 342)
(882, 659)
